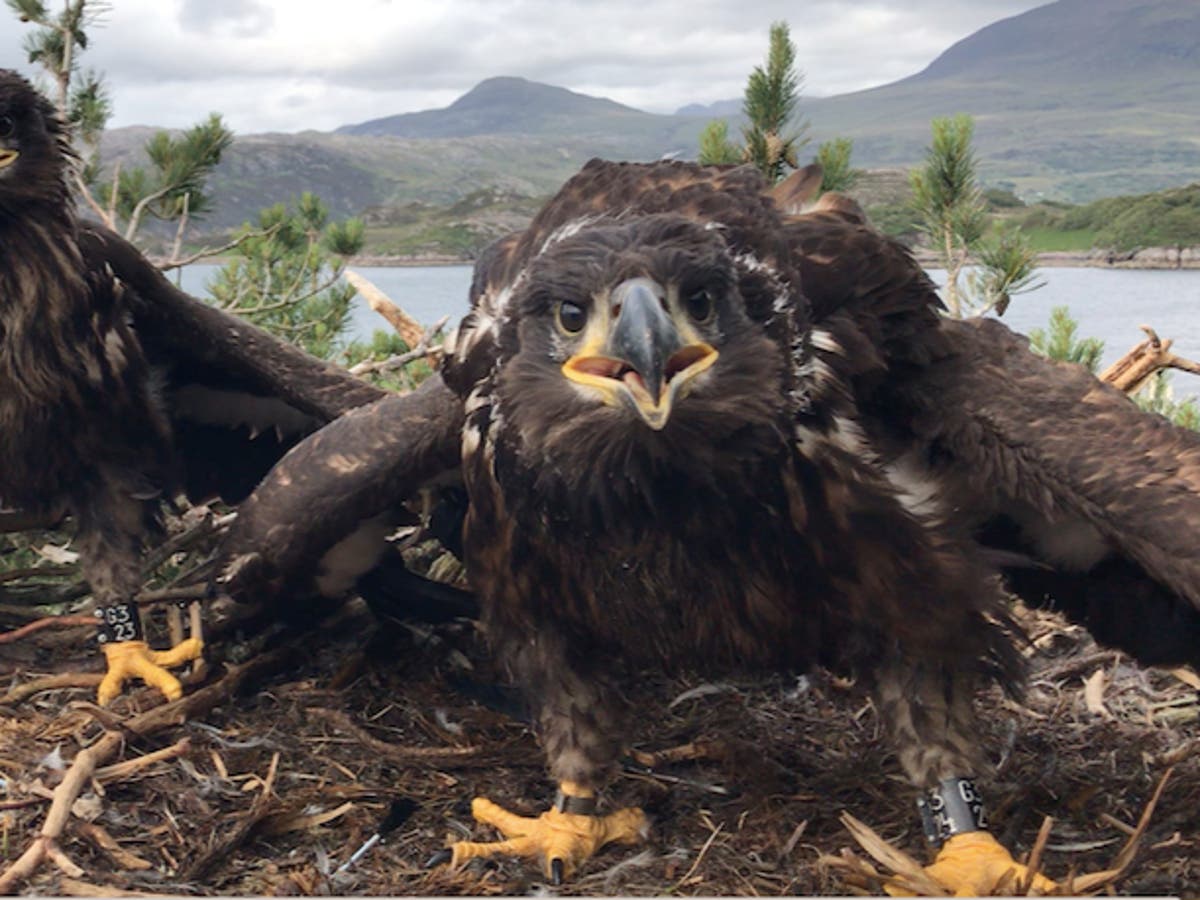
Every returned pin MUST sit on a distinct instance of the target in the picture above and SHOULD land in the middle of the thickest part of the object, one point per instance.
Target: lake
(1109, 304)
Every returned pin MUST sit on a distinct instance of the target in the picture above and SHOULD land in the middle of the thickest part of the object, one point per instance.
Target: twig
(23, 692)
(10, 637)
(37, 572)
(343, 722)
(176, 263)
(73, 887)
(200, 867)
(183, 222)
(122, 770)
(406, 326)
(1125, 858)
(1132, 370)
(82, 189)
(87, 761)
(422, 349)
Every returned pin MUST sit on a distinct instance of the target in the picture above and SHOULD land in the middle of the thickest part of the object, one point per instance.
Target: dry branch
(86, 762)
(259, 810)
(406, 326)
(1132, 370)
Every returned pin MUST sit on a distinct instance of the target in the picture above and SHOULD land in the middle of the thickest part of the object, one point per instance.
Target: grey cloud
(238, 18)
(166, 68)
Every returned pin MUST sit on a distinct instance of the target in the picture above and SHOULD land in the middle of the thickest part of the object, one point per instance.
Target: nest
(298, 743)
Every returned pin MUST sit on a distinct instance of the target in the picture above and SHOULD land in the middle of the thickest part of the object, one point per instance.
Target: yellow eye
(571, 317)
(699, 305)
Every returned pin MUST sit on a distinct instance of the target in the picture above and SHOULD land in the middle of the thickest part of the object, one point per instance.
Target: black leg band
(119, 622)
(953, 807)
(576, 806)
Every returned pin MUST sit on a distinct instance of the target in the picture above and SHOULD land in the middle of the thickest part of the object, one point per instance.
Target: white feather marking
(471, 437)
(918, 491)
(236, 565)
(823, 340)
(565, 231)
(848, 435)
(352, 557)
(114, 350)
(210, 406)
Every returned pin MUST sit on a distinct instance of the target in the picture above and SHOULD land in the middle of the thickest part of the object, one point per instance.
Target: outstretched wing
(1030, 455)
(324, 512)
(237, 396)
(1061, 466)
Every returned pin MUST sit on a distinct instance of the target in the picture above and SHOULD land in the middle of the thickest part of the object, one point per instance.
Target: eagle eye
(571, 317)
(7, 125)
(699, 305)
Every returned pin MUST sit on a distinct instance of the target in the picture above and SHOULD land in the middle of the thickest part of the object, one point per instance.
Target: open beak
(643, 361)
(7, 157)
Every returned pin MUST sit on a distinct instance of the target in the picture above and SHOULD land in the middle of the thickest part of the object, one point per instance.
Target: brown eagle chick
(82, 430)
(664, 471)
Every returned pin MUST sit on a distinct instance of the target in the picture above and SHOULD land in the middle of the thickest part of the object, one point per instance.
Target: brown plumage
(116, 393)
(753, 530)
(81, 428)
(789, 457)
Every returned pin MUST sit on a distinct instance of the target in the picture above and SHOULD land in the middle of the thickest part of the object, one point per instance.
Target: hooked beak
(643, 361)
(8, 157)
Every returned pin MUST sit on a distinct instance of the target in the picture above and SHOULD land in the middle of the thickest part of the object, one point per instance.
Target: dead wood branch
(73, 887)
(23, 692)
(422, 350)
(83, 768)
(123, 770)
(1135, 368)
(406, 326)
(10, 637)
(343, 722)
(202, 865)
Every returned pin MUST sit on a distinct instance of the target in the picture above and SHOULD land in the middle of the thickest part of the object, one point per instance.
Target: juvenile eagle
(111, 401)
(699, 433)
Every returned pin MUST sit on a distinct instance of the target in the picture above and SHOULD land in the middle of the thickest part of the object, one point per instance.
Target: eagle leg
(975, 864)
(931, 718)
(135, 659)
(562, 839)
(112, 523)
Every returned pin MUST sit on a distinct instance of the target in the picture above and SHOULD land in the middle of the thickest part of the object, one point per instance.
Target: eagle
(119, 393)
(699, 430)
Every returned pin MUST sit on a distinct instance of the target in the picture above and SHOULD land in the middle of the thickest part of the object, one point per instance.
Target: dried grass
(277, 786)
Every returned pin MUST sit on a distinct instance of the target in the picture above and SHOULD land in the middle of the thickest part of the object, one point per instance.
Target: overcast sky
(287, 65)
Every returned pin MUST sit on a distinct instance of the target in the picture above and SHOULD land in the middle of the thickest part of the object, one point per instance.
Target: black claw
(556, 872)
(440, 858)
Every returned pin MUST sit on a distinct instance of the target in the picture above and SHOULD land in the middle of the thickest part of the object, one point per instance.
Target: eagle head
(34, 152)
(630, 362)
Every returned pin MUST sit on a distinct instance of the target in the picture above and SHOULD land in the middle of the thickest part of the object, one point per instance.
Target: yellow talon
(135, 659)
(975, 864)
(567, 839)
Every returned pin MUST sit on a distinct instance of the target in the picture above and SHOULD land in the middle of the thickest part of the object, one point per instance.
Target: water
(1108, 304)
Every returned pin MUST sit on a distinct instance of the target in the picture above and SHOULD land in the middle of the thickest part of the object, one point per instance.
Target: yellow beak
(644, 362)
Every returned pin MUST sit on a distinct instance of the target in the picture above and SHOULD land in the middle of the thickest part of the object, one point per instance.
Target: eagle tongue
(635, 381)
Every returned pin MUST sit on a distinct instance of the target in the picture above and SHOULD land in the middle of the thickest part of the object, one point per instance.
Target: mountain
(507, 105)
(1074, 100)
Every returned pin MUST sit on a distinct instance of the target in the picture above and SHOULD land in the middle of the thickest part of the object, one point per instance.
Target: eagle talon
(135, 659)
(562, 840)
(975, 864)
